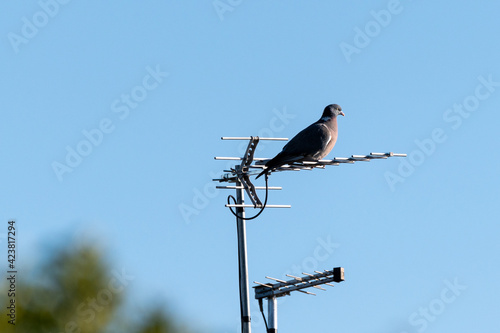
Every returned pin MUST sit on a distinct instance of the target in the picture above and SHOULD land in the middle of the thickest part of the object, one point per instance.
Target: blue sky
(113, 113)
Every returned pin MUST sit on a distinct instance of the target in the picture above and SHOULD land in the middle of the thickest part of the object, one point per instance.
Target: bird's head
(331, 111)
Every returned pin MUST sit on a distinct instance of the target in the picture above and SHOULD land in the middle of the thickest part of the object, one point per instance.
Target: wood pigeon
(311, 144)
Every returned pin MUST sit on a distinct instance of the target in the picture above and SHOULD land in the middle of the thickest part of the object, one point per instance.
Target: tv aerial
(239, 175)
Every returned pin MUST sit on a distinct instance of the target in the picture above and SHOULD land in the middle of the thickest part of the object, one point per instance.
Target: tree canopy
(76, 291)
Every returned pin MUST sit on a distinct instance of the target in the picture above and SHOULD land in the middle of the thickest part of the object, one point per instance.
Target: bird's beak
(342, 113)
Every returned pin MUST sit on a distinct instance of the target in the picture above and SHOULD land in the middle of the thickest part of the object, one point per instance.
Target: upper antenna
(244, 171)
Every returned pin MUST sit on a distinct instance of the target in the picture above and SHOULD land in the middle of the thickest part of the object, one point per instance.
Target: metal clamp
(242, 171)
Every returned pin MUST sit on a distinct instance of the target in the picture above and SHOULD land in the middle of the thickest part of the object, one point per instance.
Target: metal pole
(272, 314)
(242, 261)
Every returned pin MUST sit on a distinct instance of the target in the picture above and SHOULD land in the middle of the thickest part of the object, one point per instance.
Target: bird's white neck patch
(325, 118)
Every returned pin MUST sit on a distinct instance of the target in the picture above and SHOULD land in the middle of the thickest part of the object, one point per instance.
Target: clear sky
(113, 112)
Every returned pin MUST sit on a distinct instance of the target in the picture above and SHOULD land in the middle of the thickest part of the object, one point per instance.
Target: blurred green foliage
(77, 292)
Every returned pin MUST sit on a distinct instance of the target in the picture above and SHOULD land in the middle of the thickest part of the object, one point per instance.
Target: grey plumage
(311, 144)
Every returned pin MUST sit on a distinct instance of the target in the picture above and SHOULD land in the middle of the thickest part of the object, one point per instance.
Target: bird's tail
(266, 171)
(270, 166)
(274, 163)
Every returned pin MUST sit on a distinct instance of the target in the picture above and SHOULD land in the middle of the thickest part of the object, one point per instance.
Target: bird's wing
(309, 142)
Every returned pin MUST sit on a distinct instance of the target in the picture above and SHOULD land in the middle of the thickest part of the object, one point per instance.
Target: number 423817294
(12, 244)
